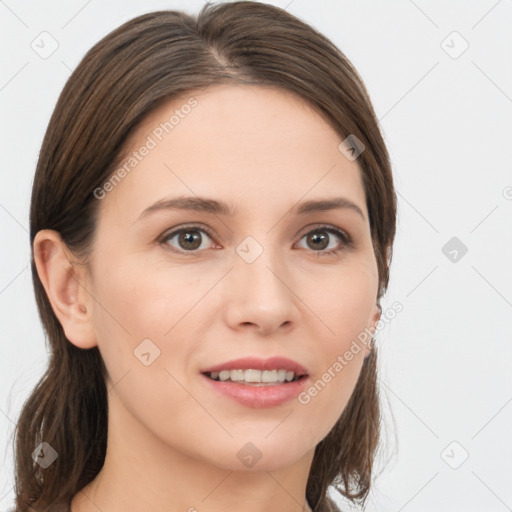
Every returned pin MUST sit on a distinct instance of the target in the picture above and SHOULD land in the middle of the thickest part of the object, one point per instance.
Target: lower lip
(258, 397)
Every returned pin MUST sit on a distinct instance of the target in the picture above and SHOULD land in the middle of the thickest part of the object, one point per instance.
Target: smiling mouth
(253, 377)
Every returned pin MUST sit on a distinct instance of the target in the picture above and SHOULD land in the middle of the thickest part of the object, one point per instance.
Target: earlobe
(65, 287)
(376, 314)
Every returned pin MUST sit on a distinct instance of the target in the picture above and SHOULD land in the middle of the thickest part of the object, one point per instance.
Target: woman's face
(250, 275)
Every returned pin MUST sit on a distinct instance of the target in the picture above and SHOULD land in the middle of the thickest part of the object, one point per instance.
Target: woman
(212, 222)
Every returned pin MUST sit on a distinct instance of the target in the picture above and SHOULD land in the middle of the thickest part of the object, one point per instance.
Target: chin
(263, 455)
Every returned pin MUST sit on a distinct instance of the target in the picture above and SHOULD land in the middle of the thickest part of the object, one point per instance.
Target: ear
(65, 283)
(375, 317)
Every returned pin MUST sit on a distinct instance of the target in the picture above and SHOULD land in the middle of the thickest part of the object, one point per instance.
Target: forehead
(252, 145)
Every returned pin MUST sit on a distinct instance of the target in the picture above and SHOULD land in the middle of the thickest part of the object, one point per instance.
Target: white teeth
(254, 376)
(224, 375)
(269, 376)
(237, 375)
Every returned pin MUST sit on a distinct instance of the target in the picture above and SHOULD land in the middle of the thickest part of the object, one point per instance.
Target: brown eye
(187, 239)
(322, 240)
(191, 240)
(318, 242)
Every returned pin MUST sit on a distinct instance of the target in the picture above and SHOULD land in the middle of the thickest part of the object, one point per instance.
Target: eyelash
(345, 238)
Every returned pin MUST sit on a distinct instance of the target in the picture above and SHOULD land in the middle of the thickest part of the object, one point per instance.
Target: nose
(260, 296)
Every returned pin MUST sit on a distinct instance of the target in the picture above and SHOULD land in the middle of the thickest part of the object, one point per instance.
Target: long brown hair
(126, 75)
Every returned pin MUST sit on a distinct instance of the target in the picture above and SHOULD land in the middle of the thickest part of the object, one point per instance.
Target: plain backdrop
(440, 78)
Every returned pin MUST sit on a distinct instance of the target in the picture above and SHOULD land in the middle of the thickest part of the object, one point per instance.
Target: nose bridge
(259, 264)
(263, 293)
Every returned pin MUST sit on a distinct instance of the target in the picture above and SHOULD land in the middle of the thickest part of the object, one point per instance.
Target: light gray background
(447, 120)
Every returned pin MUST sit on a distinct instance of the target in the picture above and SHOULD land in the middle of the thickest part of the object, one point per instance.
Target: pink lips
(259, 397)
(254, 363)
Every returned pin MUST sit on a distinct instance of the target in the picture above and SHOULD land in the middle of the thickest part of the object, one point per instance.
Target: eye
(189, 239)
(320, 239)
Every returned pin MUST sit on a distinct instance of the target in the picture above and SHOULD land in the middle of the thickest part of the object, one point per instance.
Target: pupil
(315, 238)
(187, 237)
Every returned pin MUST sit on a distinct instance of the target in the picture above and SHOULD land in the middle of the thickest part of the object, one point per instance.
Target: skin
(172, 441)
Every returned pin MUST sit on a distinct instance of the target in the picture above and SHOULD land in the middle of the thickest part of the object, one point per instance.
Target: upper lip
(255, 363)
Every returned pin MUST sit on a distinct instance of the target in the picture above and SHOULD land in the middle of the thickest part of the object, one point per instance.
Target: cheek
(141, 349)
(137, 302)
(330, 389)
(344, 308)
(132, 313)
(344, 303)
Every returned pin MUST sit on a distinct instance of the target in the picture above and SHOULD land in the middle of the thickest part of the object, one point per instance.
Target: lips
(254, 363)
(259, 388)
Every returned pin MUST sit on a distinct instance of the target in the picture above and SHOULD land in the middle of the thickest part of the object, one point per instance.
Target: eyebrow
(212, 206)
